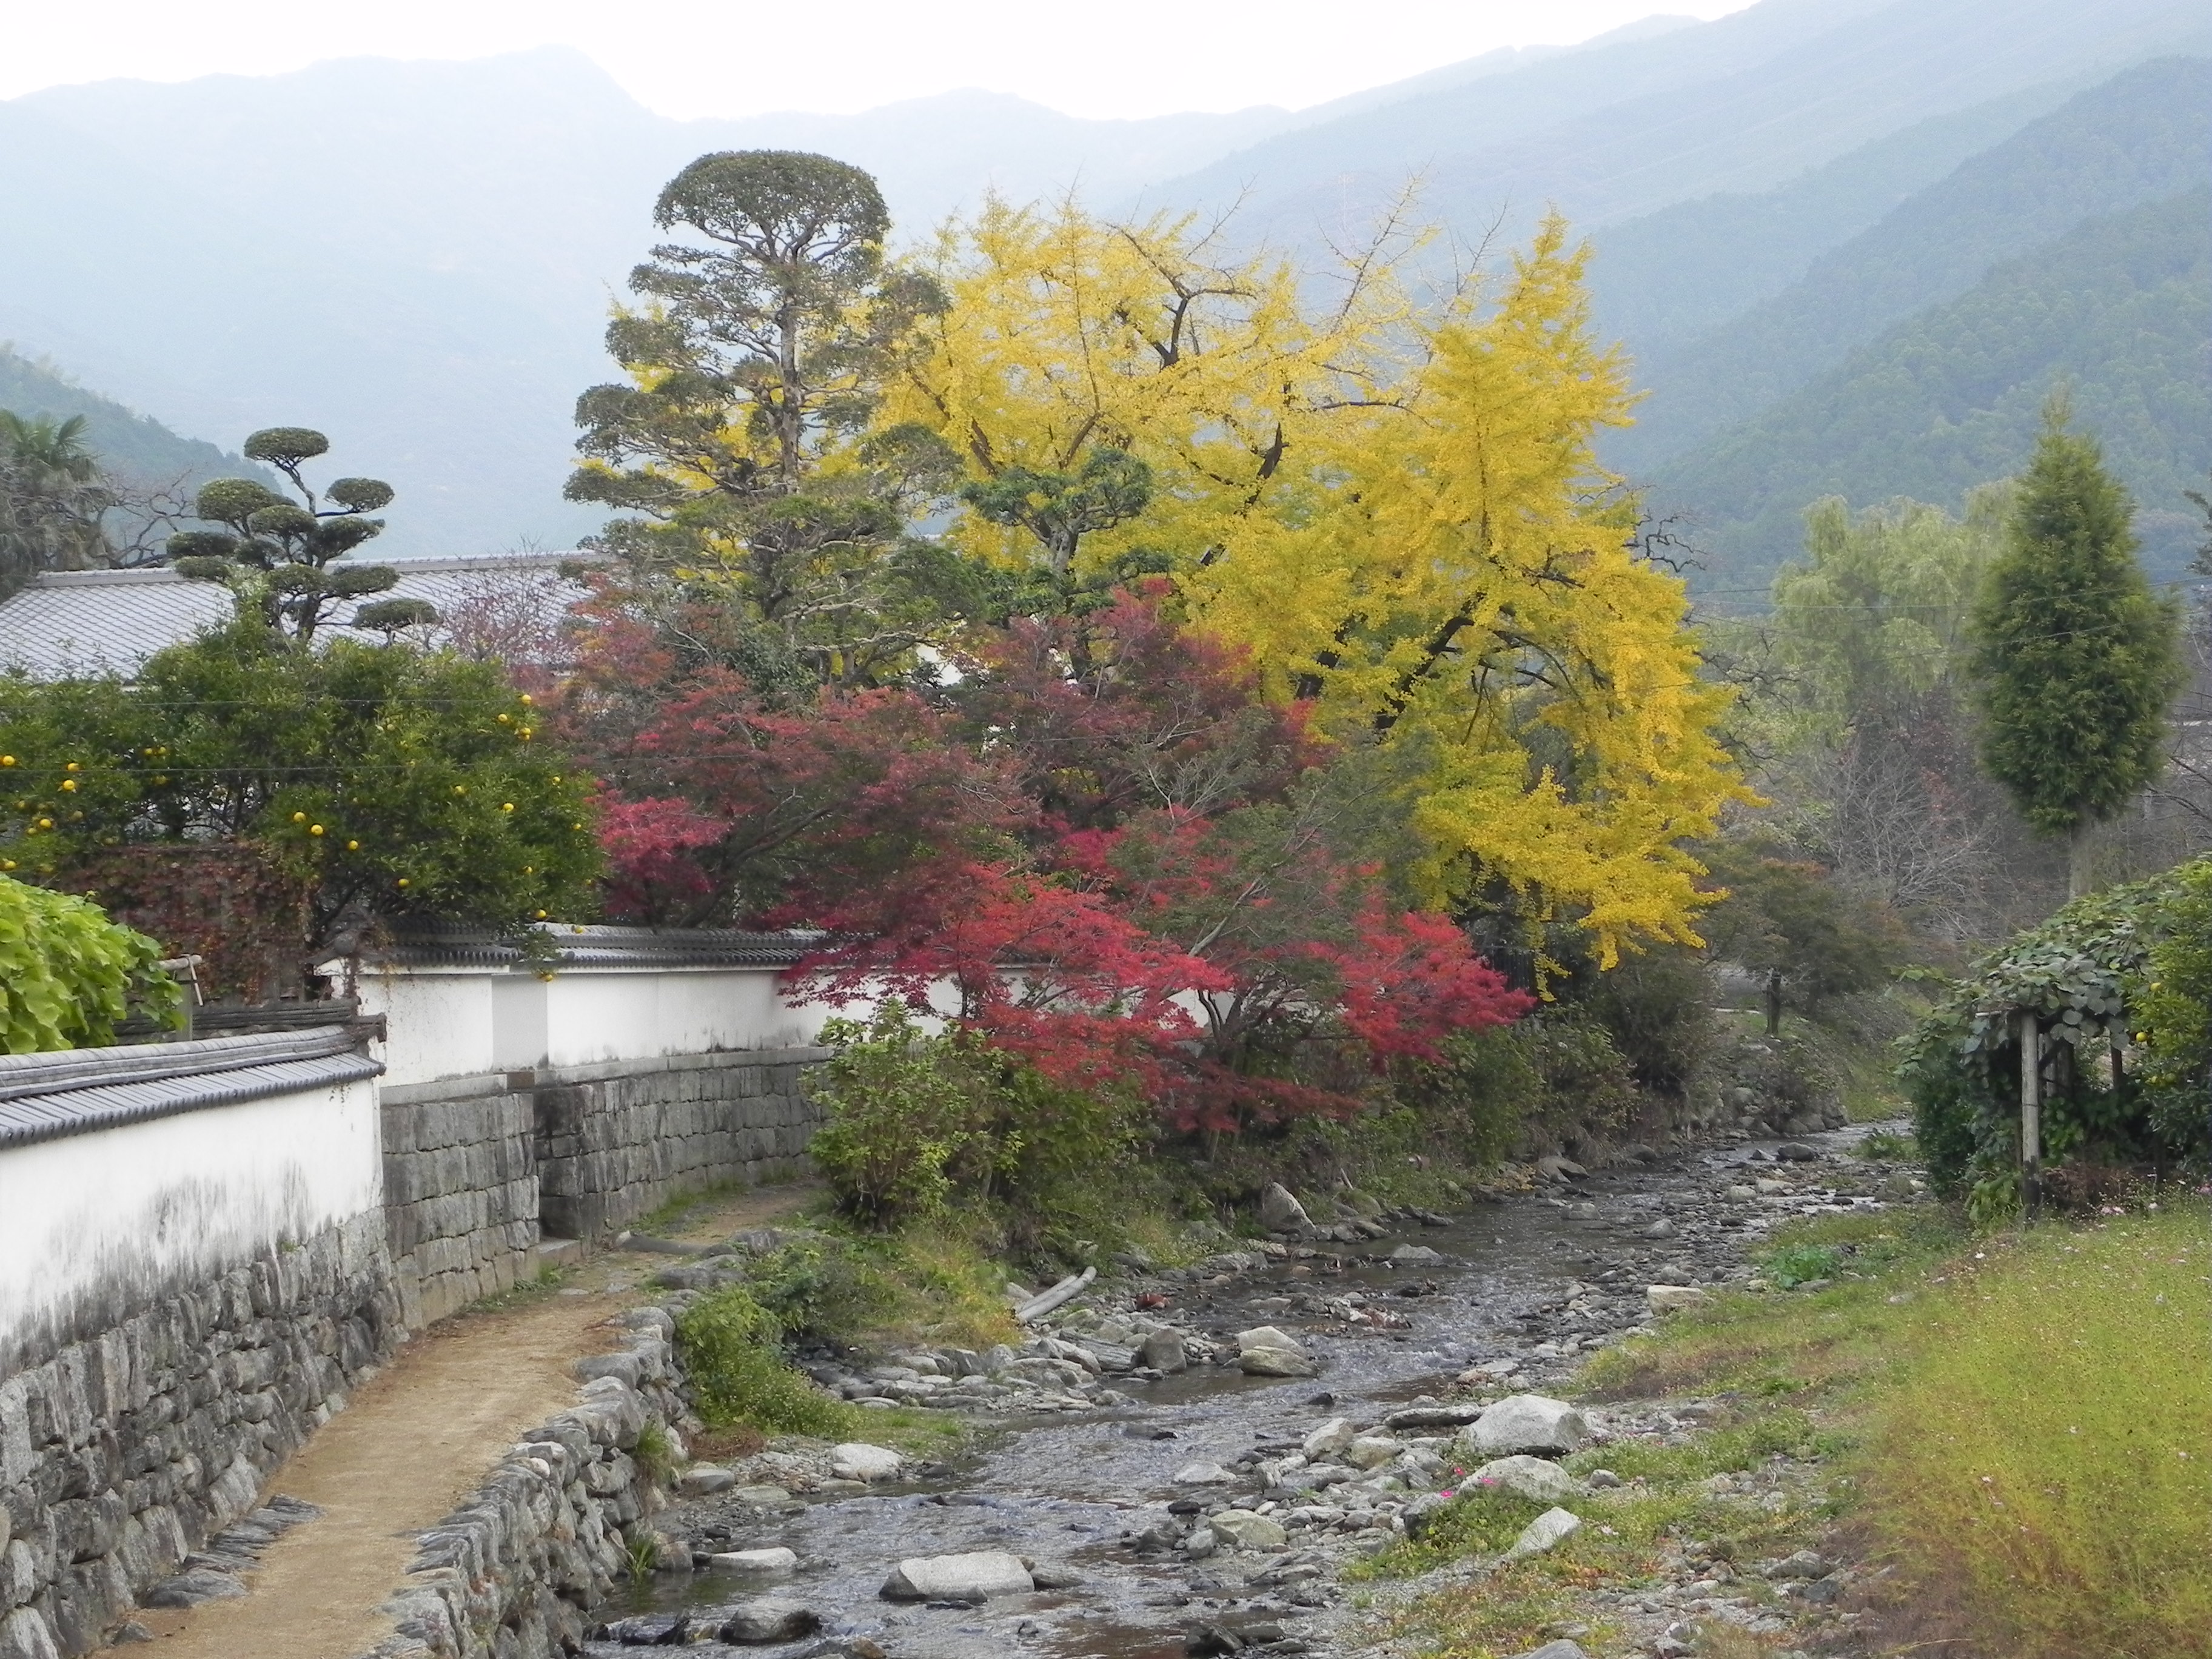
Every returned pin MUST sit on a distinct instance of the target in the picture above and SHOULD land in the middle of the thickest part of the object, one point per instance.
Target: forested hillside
(134, 447)
(2120, 308)
(2139, 137)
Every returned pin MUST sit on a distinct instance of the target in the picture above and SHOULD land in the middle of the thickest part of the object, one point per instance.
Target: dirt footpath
(411, 1444)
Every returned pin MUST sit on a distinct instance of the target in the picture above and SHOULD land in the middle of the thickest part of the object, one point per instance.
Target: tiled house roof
(90, 621)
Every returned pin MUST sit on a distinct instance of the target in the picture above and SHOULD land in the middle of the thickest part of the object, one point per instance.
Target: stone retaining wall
(510, 1572)
(460, 1193)
(617, 1140)
(122, 1454)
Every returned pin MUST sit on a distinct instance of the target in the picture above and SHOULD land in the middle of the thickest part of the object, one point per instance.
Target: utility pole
(2031, 1113)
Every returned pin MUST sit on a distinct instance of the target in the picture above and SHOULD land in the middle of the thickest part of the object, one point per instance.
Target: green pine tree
(2076, 657)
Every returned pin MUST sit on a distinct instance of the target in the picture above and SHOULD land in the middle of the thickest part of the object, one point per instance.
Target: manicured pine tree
(2076, 657)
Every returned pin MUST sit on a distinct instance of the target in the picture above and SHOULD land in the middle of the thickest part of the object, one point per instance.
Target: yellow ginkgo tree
(1399, 515)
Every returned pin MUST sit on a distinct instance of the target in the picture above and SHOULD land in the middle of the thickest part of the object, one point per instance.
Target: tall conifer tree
(2076, 657)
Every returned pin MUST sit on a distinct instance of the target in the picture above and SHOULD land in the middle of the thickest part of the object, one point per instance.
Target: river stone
(1794, 1151)
(1532, 1477)
(778, 1563)
(762, 1497)
(1662, 1227)
(1280, 1211)
(1162, 1351)
(1673, 1298)
(769, 1621)
(1264, 1351)
(1416, 1255)
(1554, 1650)
(1241, 1530)
(972, 1578)
(857, 1461)
(1203, 1474)
(1551, 1528)
(1330, 1438)
(1527, 1423)
(701, 1479)
(1371, 1451)
(1560, 1169)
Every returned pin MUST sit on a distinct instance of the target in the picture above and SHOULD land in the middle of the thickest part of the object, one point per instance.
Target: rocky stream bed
(1184, 1461)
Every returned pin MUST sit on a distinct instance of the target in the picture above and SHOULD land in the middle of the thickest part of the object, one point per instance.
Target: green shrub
(1799, 1264)
(67, 973)
(728, 1344)
(820, 1287)
(920, 1125)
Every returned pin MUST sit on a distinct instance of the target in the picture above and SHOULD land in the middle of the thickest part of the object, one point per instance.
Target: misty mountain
(2137, 137)
(2119, 310)
(1741, 104)
(418, 257)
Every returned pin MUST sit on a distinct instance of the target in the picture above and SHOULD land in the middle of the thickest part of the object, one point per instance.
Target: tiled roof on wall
(85, 622)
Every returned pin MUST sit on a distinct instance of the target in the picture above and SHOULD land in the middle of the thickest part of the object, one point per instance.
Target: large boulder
(1552, 1528)
(1329, 1439)
(760, 1566)
(1372, 1451)
(1265, 1351)
(857, 1461)
(1527, 1422)
(973, 1577)
(1243, 1529)
(1280, 1211)
(1532, 1477)
(1673, 1298)
(1164, 1351)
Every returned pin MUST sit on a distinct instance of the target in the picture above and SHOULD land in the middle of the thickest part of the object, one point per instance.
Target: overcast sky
(690, 58)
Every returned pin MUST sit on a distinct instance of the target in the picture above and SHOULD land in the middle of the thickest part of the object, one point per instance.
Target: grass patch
(2046, 1459)
(2026, 1419)
(523, 1292)
(739, 1376)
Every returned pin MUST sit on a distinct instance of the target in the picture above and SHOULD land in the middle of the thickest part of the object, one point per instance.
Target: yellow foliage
(1400, 517)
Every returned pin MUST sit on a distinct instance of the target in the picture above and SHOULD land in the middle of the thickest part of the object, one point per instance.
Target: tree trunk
(2077, 860)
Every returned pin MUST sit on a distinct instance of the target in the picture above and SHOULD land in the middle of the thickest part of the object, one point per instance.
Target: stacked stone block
(123, 1452)
(616, 1141)
(510, 1573)
(460, 1193)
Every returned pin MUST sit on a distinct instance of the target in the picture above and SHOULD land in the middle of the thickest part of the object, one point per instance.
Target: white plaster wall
(124, 1214)
(632, 1015)
(438, 1022)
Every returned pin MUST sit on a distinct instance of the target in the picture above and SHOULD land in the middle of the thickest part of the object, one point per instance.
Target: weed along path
(412, 1442)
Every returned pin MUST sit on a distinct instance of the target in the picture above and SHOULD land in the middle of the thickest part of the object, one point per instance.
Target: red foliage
(1102, 847)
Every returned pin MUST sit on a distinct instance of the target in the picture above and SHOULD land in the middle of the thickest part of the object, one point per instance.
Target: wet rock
(758, 1564)
(1243, 1529)
(976, 1576)
(765, 1621)
(1435, 1417)
(1280, 1211)
(703, 1480)
(1560, 1169)
(1163, 1351)
(1673, 1298)
(1548, 1530)
(1662, 1227)
(1048, 1577)
(1796, 1151)
(762, 1498)
(857, 1461)
(651, 1631)
(1527, 1422)
(1532, 1477)
(1415, 1255)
